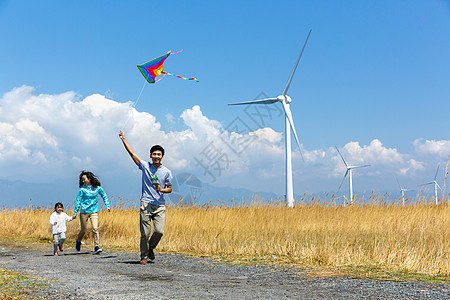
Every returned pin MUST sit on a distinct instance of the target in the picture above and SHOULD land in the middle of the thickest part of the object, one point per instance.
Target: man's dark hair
(156, 148)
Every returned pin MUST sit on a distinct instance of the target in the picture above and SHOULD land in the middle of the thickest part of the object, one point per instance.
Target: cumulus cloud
(380, 158)
(65, 133)
(431, 147)
(52, 132)
(24, 140)
(411, 166)
(200, 124)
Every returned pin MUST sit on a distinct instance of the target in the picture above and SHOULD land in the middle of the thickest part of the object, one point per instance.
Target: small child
(58, 221)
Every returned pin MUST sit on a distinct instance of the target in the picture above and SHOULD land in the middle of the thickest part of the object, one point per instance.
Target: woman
(87, 204)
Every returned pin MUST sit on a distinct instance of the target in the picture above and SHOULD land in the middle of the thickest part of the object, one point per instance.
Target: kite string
(134, 104)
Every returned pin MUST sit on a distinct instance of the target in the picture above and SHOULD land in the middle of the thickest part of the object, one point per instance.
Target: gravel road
(117, 275)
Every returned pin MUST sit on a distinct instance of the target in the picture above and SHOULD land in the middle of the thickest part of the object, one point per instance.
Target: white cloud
(203, 127)
(431, 147)
(381, 159)
(170, 118)
(63, 134)
(22, 140)
(267, 134)
(412, 166)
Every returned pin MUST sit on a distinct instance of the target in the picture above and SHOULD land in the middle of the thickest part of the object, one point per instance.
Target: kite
(152, 69)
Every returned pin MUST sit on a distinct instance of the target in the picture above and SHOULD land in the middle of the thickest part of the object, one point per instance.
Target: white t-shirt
(60, 219)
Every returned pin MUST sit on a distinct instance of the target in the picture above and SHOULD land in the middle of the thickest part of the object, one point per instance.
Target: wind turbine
(402, 190)
(285, 100)
(436, 185)
(349, 172)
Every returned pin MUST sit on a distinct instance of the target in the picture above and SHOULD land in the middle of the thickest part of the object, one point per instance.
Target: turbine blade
(341, 156)
(295, 67)
(288, 113)
(356, 167)
(426, 183)
(262, 101)
(438, 185)
(436, 172)
(342, 181)
(398, 183)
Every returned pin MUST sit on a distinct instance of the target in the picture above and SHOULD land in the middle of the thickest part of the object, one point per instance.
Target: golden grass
(414, 238)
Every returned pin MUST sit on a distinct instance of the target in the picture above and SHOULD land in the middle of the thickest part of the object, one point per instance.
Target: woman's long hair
(92, 178)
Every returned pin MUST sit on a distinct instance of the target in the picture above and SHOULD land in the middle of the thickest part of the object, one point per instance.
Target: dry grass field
(369, 235)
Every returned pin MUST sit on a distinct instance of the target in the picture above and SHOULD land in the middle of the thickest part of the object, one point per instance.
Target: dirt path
(117, 275)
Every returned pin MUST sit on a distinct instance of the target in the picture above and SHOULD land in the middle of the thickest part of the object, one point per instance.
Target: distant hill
(20, 194)
(186, 191)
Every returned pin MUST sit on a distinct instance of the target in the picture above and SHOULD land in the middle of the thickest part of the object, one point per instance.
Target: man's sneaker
(61, 248)
(97, 250)
(55, 254)
(143, 261)
(151, 254)
(78, 245)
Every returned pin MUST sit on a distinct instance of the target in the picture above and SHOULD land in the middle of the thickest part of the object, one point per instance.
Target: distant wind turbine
(436, 186)
(402, 191)
(285, 100)
(349, 172)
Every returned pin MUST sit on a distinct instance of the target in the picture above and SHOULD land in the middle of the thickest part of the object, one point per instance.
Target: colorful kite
(154, 68)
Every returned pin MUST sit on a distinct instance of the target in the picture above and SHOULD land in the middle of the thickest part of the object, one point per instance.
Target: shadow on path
(134, 262)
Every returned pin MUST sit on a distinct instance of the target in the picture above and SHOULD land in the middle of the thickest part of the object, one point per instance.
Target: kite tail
(176, 52)
(164, 75)
(192, 78)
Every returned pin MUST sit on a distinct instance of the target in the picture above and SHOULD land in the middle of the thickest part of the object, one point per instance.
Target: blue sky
(373, 81)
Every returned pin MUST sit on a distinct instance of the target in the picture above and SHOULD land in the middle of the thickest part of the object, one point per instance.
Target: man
(156, 181)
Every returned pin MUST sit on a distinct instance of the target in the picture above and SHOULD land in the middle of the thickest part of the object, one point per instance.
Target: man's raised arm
(130, 151)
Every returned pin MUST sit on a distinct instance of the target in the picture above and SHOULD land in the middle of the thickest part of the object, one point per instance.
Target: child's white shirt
(60, 219)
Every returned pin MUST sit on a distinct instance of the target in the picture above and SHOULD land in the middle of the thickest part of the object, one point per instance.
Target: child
(58, 221)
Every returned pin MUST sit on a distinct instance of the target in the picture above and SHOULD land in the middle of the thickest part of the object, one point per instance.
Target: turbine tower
(402, 191)
(349, 172)
(285, 100)
(436, 186)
